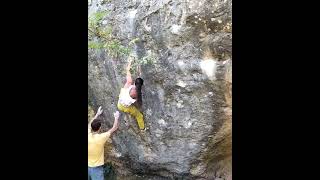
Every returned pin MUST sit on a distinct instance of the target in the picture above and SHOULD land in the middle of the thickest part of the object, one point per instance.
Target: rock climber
(96, 142)
(130, 95)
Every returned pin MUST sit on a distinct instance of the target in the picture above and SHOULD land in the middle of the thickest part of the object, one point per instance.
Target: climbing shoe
(144, 130)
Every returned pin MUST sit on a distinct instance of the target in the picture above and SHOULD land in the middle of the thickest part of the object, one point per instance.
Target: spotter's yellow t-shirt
(96, 144)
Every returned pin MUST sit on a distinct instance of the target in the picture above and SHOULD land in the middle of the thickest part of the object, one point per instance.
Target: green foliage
(115, 48)
(108, 31)
(94, 45)
(133, 41)
(146, 60)
(112, 45)
(150, 59)
(94, 21)
(95, 18)
(100, 15)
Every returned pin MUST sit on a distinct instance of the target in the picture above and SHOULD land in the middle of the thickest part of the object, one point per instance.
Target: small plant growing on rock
(105, 40)
(149, 59)
(101, 38)
(94, 21)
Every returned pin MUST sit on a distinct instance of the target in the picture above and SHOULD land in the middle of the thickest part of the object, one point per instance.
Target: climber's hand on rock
(128, 68)
(130, 59)
(116, 115)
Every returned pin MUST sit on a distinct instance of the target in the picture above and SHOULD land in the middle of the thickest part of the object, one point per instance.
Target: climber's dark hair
(96, 124)
(138, 83)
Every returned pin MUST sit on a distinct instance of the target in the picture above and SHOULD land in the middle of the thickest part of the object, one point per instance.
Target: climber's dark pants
(132, 110)
(95, 173)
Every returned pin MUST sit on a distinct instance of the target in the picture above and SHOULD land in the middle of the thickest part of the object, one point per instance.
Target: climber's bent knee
(139, 117)
(140, 121)
(134, 112)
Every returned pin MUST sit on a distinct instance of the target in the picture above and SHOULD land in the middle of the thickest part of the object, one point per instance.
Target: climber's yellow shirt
(96, 144)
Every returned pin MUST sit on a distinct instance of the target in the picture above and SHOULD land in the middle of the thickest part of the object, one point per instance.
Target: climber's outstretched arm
(128, 79)
(115, 123)
(99, 112)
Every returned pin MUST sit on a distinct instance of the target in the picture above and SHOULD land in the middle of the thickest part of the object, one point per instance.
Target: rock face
(186, 93)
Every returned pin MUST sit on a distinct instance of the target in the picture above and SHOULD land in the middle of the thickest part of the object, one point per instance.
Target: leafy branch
(102, 38)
